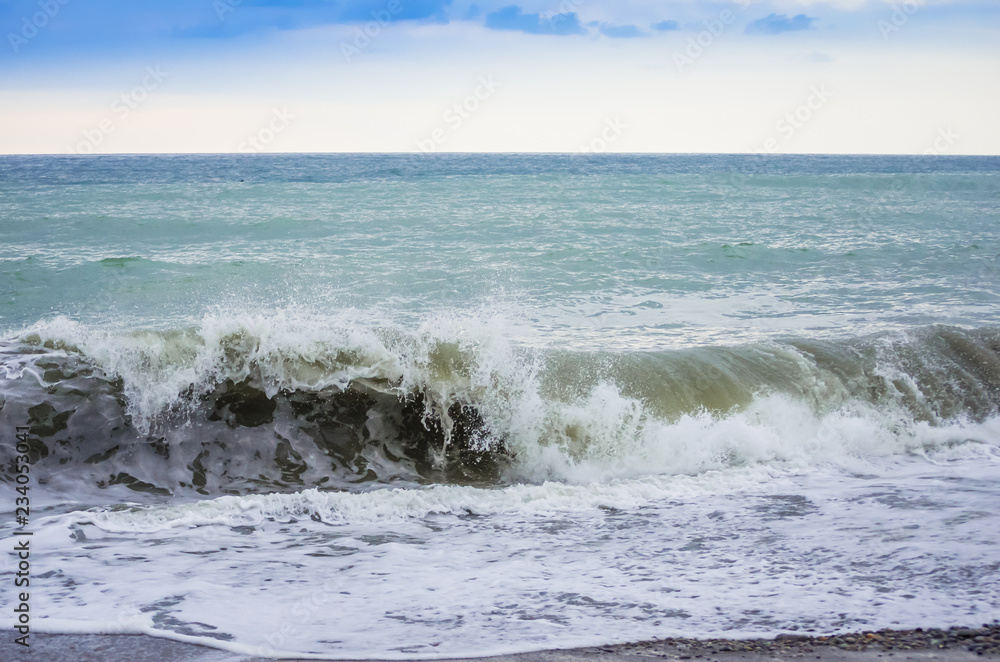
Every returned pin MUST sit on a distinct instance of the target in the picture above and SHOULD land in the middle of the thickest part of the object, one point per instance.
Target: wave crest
(251, 404)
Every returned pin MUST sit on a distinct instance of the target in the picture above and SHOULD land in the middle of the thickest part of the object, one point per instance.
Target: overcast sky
(843, 76)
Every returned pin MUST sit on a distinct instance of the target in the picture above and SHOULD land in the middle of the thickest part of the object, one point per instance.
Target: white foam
(454, 571)
(592, 434)
(618, 524)
(768, 458)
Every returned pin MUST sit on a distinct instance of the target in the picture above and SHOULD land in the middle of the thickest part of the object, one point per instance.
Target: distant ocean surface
(393, 406)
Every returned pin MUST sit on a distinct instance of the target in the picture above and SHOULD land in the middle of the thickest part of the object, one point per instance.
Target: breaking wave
(244, 405)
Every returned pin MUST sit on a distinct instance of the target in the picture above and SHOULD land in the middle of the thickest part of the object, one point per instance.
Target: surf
(252, 404)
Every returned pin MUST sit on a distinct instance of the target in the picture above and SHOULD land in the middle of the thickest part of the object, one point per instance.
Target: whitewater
(419, 407)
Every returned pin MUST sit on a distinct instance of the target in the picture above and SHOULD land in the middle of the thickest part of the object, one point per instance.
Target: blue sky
(93, 76)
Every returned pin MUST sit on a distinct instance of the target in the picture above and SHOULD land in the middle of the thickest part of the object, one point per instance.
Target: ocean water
(392, 406)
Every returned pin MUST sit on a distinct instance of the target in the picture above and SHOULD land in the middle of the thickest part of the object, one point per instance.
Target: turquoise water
(427, 406)
(638, 250)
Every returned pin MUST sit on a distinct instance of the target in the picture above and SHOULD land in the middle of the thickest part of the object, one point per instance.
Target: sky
(674, 76)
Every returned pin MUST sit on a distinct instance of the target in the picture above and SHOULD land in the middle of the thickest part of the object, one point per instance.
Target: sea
(390, 406)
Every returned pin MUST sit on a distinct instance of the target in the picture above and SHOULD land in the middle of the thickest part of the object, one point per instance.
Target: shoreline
(955, 643)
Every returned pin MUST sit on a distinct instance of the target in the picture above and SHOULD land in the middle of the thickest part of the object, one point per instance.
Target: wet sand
(958, 644)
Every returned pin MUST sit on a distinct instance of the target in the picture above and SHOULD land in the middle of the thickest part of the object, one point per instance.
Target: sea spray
(281, 402)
